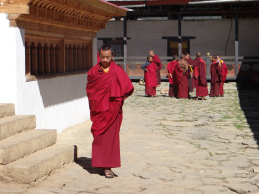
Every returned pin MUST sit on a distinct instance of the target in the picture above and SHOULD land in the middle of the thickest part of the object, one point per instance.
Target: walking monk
(224, 75)
(170, 68)
(157, 61)
(107, 88)
(216, 72)
(150, 70)
(200, 76)
(183, 84)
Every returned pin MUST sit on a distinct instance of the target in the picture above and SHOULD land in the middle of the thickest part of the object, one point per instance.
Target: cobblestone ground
(171, 145)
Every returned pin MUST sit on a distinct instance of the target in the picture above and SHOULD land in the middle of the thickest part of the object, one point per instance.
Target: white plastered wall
(58, 103)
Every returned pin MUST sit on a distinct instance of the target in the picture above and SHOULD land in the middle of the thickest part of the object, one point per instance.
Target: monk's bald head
(175, 57)
(198, 54)
(182, 56)
(151, 53)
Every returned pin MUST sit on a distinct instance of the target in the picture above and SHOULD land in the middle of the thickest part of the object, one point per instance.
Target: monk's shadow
(85, 163)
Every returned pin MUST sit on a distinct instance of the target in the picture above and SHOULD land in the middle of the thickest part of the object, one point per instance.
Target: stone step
(26, 143)
(38, 165)
(6, 110)
(16, 124)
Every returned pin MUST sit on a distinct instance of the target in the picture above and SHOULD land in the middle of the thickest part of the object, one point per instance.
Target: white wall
(57, 103)
(8, 67)
(211, 36)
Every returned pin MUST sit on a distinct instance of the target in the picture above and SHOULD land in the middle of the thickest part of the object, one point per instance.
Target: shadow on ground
(248, 94)
(86, 164)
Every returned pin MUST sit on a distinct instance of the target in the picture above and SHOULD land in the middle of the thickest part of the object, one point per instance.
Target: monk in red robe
(107, 88)
(224, 75)
(191, 79)
(183, 84)
(157, 61)
(200, 76)
(216, 73)
(173, 88)
(150, 69)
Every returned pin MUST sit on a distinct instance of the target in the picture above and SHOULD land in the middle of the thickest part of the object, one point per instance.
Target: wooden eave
(80, 14)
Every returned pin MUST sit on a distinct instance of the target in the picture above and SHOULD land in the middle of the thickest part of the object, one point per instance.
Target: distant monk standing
(157, 61)
(170, 68)
(216, 72)
(224, 75)
(183, 84)
(200, 76)
(150, 70)
(191, 79)
(107, 88)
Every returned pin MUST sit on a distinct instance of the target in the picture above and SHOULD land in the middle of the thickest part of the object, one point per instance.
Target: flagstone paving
(170, 145)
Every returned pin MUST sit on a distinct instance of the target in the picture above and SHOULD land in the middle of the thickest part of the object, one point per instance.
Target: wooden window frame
(48, 57)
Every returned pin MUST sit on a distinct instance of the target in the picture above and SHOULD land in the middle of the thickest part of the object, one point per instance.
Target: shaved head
(198, 54)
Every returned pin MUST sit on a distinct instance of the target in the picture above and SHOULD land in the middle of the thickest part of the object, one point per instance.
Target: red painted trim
(113, 4)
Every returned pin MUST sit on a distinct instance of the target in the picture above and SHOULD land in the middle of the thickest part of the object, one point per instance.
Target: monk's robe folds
(106, 94)
(173, 88)
(216, 72)
(151, 79)
(157, 61)
(224, 77)
(201, 82)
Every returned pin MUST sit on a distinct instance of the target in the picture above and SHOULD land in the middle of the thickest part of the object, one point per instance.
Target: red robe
(191, 79)
(157, 61)
(150, 79)
(224, 76)
(201, 82)
(216, 72)
(106, 94)
(173, 88)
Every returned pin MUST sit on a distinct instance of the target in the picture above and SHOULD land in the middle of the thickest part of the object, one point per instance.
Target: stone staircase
(28, 155)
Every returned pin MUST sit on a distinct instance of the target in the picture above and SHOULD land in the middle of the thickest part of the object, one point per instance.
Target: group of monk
(185, 75)
(108, 86)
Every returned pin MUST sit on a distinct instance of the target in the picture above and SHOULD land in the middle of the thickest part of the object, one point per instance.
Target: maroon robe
(215, 71)
(224, 76)
(201, 82)
(191, 79)
(173, 88)
(183, 84)
(157, 61)
(106, 94)
(150, 79)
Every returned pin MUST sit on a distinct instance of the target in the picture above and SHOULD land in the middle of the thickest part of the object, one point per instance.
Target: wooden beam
(14, 8)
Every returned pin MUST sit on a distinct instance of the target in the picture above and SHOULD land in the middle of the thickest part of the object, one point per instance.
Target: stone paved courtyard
(169, 145)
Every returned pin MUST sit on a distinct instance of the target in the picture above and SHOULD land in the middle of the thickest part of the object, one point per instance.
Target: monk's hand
(196, 77)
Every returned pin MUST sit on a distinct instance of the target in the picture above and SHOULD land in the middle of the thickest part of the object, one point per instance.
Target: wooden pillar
(179, 34)
(40, 59)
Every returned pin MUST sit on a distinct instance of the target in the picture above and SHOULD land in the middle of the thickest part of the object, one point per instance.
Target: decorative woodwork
(58, 33)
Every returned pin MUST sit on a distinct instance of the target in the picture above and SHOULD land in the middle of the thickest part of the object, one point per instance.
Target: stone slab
(16, 124)
(40, 164)
(7, 110)
(26, 143)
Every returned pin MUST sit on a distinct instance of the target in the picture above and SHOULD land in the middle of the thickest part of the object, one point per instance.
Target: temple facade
(47, 47)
